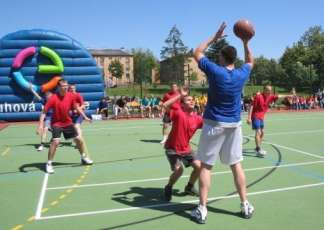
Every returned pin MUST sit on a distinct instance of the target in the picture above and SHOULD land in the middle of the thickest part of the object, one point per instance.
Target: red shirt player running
(62, 103)
(185, 122)
(256, 115)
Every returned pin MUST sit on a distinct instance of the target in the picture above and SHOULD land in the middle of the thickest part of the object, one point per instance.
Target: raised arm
(199, 51)
(248, 54)
(182, 93)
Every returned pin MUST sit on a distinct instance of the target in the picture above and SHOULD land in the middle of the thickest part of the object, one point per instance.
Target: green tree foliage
(304, 61)
(116, 69)
(176, 54)
(144, 63)
(267, 71)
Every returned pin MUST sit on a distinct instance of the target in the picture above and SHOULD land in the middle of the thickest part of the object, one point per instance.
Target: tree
(174, 45)
(175, 54)
(116, 69)
(304, 61)
(144, 63)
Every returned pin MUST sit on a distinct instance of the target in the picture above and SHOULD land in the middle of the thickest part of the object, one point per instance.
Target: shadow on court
(151, 141)
(41, 166)
(153, 198)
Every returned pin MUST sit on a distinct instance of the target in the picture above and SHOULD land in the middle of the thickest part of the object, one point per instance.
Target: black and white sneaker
(86, 161)
(199, 214)
(261, 153)
(40, 147)
(49, 168)
(247, 210)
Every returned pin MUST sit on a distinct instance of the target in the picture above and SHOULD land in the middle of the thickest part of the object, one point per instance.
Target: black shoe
(168, 193)
(190, 190)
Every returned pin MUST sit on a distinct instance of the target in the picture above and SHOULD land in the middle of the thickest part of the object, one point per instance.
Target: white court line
(184, 176)
(183, 202)
(294, 132)
(291, 149)
(295, 150)
(41, 198)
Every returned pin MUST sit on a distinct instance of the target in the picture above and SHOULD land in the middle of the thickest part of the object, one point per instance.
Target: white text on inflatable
(9, 108)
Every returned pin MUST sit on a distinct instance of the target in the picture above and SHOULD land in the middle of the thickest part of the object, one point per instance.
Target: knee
(55, 142)
(178, 169)
(78, 139)
(196, 164)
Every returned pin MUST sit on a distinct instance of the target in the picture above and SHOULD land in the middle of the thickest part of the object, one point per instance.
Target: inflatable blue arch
(31, 63)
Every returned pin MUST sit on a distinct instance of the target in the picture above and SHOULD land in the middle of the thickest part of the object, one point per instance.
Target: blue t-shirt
(224, 92)
(145, 102)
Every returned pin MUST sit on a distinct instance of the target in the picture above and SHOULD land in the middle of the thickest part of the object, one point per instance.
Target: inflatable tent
(33, 61)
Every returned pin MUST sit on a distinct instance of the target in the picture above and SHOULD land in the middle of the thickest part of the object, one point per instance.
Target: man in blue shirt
(221, 136)
(146, 107)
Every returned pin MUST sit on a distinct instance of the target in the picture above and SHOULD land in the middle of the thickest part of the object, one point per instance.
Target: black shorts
(68, 132)
(176, 159)
(166, 118)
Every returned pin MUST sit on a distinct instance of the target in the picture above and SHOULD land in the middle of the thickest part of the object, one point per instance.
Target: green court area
(124, 187)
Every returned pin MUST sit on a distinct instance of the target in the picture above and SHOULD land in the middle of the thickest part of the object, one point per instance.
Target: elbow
(197, 54)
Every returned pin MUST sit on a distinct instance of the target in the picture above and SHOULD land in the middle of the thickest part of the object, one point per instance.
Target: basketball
(244, 29)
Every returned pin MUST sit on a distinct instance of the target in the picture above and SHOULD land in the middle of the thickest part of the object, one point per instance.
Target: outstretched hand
(220, 33)
(183, 91)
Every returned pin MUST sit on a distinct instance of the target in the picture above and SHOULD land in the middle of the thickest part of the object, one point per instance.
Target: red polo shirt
(261, 104)
(184, 126)
(61, 107)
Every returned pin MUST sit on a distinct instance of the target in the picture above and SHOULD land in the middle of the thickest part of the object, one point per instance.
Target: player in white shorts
(221, 137)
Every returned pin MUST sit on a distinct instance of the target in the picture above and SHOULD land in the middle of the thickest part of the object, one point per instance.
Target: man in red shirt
(61, 104)
(185, 122)
(256, 115)
(77, 118)
(166, 116)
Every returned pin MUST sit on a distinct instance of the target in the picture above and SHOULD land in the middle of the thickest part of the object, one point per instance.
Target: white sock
(203, 209)
(49, 162)
(83, 155)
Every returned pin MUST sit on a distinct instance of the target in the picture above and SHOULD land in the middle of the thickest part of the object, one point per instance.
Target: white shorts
(220, 143)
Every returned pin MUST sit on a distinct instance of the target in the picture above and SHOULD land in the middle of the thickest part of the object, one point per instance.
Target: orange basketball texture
(244, 29)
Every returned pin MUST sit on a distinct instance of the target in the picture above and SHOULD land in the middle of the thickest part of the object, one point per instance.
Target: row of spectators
(149, 106)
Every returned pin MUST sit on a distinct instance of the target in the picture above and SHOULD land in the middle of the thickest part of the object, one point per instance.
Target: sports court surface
(124, 188)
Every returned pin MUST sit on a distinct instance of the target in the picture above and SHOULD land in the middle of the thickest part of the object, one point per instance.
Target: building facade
(104, 57)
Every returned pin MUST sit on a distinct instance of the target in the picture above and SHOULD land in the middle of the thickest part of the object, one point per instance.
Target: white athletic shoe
(247, 210)
(261, 153)
(86, 161)
(49, 168)
(199, 214)
(40, 148)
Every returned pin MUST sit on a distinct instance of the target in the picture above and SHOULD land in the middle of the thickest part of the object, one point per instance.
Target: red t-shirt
(184, 126)
(170, 95)
(261, 104)
(61, 107)
(79, 100)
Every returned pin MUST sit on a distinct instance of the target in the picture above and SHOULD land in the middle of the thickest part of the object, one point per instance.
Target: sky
(146, 23)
